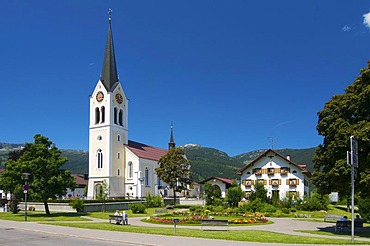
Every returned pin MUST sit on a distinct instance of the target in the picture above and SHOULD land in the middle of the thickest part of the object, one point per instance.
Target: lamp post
(25, 190)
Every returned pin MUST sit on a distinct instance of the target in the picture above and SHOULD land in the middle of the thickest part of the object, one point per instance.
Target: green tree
(212, 194)
(344, 115)
(174, 169)
(234, 196)
(259, 192)
(43, 160)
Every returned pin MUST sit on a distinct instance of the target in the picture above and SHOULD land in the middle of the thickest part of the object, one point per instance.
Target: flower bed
(189, 218)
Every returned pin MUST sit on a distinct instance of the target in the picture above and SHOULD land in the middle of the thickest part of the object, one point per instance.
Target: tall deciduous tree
(42, 160)
(344, 115)
(174, 169)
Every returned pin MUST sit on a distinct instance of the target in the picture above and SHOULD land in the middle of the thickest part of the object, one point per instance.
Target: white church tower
(108, 129)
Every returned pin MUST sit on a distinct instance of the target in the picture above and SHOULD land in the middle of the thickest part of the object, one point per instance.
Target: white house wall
(276, 163)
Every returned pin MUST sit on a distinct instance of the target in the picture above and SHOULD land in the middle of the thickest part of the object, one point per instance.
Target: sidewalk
(281, 225)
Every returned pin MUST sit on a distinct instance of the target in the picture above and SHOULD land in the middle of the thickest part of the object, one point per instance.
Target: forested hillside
(205, 162)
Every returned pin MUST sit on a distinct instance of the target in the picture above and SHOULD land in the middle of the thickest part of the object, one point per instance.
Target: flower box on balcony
(292, 184)
(258, 172)
(283, 172)
(275, 184)
(248, 184)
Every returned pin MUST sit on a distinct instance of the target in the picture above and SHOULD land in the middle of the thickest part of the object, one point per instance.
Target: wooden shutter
(243, 182)
(270, 182)
(297, 181)
(264, 181)
(279, 181)
(287, 181)
(252, 182)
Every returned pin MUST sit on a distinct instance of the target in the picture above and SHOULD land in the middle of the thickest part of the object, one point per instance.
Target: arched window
(147, 176)
(99, 158)
(97, 115)
(118, 172)
(115, 116)
(130, 170)
(120, 118)
(102, 114)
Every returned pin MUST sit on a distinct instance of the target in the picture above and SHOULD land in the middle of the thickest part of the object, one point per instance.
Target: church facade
(126, 168)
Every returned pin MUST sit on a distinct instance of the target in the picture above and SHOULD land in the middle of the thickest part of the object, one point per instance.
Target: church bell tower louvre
(108, 128)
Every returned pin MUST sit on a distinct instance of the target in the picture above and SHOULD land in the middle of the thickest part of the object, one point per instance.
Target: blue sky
(230, 74)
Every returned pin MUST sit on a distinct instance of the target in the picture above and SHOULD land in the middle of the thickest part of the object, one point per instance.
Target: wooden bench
(117, 219)
(161, 210)
(211, 225)
(346, 225)
(333, 217)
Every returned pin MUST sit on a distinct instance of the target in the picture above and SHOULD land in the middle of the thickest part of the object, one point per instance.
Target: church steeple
(109, 76)
(171, 144)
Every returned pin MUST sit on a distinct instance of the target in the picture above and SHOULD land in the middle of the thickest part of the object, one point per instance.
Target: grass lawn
(41, 216)
(246, 236)
(358, 234)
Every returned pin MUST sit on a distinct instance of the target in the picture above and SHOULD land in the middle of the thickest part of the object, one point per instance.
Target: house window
(118, 172)
(130, 170)
(247, 182)
(119, 138)
(257, 171)
(275, 182)
(147, 176)
(118, 155)
(99, 157)
(270, 171)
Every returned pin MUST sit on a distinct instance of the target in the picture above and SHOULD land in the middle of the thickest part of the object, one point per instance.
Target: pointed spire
(109, 76)
(171, 144)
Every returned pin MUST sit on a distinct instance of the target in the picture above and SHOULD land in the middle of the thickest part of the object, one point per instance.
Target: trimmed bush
(77, 204)
(137, 208)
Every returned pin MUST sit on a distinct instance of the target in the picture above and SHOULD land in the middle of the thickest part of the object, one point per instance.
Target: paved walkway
(281, 225)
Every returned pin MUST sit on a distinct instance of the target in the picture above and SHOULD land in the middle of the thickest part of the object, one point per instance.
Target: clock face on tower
(119, 98)
(99, 96)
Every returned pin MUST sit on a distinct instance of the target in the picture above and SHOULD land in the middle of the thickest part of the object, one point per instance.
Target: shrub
(77, 204)
(137, 208)
(268, 208)
(14, 205)
(364, 208)
(153, 201)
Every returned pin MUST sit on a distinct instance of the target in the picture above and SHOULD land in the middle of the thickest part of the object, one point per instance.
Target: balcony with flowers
(275, 183)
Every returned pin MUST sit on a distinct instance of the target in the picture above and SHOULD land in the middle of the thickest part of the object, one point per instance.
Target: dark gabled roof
(145, 151)
(224, 180)
(109, 75)
(301, 167)
(80, 181)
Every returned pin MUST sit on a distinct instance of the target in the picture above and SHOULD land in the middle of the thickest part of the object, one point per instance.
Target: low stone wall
(53, 207)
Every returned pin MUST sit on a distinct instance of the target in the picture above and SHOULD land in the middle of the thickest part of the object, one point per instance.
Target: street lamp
(25, 190)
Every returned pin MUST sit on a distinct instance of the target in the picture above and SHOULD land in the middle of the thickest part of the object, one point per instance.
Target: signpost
(352, 160)
(175, 220)
(25, 190)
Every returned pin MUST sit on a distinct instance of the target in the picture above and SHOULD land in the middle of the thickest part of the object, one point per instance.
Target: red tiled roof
(225, 180)
(145, 151)
(80, 181)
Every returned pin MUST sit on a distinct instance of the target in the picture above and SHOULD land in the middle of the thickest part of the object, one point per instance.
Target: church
(126, 167)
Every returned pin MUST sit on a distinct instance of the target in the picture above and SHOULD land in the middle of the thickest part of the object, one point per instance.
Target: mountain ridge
(205, 161)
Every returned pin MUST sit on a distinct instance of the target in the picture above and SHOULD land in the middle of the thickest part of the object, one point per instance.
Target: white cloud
(346, 28)
(367, 19)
